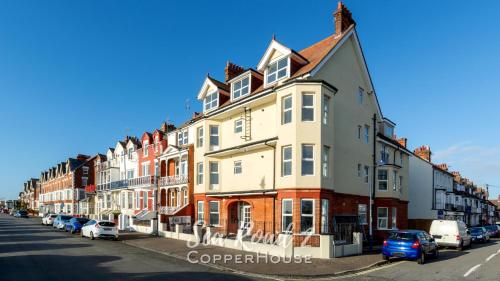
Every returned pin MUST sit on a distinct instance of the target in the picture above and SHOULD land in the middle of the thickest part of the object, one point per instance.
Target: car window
(107, 223)
(402, 236)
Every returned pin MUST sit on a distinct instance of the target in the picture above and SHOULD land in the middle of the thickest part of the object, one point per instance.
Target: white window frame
(360, 128)
(303, 160)
(394, 218)
(367, 134)
(201, 212)
(145, 199)
(325, 209)
(85, 170)
(199, 173)
(85, 181)
(379, 218)
(386, 180)
(394, 180)
(285, 161)
(237, 167)
(217, 136)
(307, 215)
(363, 212)
(239, 91)
(360, 170)
(199, 138)
(284, 228)
(326, 109)
(211, 172)
(367, 174)
(308, 107)
(238, 126)
(145, 150)
(213, 103)
(214, 213)
(276, 62)
(361, 94)
(326, 161)
(286, 110)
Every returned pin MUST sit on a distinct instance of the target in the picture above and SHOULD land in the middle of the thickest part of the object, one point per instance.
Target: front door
(245, 218)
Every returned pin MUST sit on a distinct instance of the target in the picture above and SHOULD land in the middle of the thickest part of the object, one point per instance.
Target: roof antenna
(188, 106)
(274, 36)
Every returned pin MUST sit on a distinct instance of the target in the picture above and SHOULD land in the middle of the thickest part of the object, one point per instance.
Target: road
(482, 262)
(30, 251)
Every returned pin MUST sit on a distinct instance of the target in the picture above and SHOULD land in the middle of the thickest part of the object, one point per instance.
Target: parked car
(6, 211)
(479, 234)
(21, 214)
(492, 230)
(410, 244)
(100, 229)
(48, 219)
(60, 221)
(449, 233)
(12, 212)
(75, 224)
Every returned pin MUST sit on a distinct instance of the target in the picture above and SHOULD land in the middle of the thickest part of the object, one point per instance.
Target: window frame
(362, 213)
(307, 215)
(304, 160)
(386, 180)
(386, 218)
(366, 135)
(304, 107)
(235, 164)
(217, 173)
(276, 62)
(214, 213)
(241, 87)
(286, 110)
(326, 109)
(145, 146)
(238, 129)
(283, 215)
(201, 214)
(286, 161)
(215, 136)
(325, 161)
(366, 174)
(211, 102)
(325, 207)
(199, 173)
(361, 95)
(199, 136)
(394, 218)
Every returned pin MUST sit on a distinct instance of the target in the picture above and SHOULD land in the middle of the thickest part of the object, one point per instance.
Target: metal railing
(122, 184)
(173, 180)
(146, 180)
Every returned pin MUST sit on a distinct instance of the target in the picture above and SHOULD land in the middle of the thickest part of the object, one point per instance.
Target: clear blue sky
(77, 76)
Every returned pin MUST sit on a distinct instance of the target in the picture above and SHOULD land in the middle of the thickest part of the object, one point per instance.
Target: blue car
(410, 244)
(60, 221)
(75, 225)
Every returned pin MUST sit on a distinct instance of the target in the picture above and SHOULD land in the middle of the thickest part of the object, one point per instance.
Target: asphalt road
(30, 251)
(482, 262)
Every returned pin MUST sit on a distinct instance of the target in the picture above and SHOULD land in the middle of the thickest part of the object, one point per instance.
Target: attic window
(241, 88)
(211, 100)
(277, 70)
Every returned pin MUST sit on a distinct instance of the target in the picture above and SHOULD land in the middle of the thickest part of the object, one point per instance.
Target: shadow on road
(60, 267)
(29, 247)
(28, 238)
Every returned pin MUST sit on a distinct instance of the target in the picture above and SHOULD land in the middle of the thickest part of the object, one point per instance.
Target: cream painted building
(299, 145)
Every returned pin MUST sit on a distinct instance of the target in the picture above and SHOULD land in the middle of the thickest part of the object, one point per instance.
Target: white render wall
(421, 189)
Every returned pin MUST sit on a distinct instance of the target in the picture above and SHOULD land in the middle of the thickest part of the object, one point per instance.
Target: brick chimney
(443, 166)
(232, 70)
(342, 18)
(403, 141)
(423, 152)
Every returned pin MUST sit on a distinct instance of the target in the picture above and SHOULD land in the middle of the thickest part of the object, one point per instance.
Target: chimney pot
(232, 70)
(342, 18)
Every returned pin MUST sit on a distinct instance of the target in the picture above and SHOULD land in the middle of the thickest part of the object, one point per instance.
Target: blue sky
(77, 76)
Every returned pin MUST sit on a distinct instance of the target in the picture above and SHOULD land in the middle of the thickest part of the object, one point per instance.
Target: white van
(449, 233)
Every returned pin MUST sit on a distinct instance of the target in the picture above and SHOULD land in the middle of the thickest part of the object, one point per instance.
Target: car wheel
(470, 244)
(81, 234)
(461, 246)
(436, 253)
(72, 230)
(384, 257)
(92, 236)
(421, 260)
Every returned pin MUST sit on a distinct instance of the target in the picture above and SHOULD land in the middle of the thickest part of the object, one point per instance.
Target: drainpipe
(274, 186)
(372, 192)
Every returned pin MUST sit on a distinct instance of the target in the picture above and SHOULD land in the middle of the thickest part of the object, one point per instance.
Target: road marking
(490, 257)
(471, 270)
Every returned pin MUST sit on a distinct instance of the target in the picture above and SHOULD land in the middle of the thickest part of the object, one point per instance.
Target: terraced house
(62, 186)
(292, 145)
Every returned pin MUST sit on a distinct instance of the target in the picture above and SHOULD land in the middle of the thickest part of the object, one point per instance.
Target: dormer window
(211, 100)
(277, 70)
(182, 138)
(241, 88)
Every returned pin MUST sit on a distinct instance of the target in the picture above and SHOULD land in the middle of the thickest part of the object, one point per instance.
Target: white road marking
(471, 270)
(490, 257)
(498, 251)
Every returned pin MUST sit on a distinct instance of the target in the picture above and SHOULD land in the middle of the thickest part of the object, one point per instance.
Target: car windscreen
(402, 236)
(107, 223)
(53, 216)
(23, 212)
(66, 218)
(82, 220)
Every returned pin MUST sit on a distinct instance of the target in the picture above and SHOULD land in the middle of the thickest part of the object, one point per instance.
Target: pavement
(253, 263)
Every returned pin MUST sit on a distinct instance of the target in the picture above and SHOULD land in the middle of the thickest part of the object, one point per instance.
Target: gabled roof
(212, 83)
(282, 49)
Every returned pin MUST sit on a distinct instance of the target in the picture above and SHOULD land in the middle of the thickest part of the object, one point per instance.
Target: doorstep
(316, 268)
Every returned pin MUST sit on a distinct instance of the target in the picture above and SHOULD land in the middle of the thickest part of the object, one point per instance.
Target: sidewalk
(318, 267)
